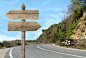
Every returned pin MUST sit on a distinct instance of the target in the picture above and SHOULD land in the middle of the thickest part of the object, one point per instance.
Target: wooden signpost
(23, 14)
(23, 26)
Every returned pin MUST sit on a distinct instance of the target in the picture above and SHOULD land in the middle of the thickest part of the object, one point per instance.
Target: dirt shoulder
(3, 52)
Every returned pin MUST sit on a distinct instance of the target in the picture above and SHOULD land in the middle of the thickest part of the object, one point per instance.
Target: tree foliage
(70, 9)
(78, 3)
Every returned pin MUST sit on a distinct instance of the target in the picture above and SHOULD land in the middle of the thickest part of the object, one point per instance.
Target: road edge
(69, 48)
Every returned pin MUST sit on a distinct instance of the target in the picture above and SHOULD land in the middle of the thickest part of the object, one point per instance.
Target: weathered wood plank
(23, 14)
(23, 26)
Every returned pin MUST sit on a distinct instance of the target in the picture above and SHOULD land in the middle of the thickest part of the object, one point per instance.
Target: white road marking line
(10, 53)
(61, 52)
(70, 48)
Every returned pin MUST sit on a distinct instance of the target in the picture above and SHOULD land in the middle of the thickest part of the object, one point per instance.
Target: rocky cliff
(80, 33)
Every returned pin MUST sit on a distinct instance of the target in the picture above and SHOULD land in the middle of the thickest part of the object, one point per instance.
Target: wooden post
(23, 26)
(23, 37)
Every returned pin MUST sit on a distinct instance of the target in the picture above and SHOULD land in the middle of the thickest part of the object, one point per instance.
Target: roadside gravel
(3, 52)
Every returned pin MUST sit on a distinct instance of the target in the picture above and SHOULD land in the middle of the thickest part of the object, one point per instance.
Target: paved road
(46, 51)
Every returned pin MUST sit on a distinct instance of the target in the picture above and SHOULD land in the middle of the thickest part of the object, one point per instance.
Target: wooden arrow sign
(23, 14)
(23, 26)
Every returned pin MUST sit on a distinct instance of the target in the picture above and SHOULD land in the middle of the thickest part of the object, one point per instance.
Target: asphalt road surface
(45, 51)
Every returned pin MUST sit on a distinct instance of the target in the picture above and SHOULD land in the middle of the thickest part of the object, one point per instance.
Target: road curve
(46, 51)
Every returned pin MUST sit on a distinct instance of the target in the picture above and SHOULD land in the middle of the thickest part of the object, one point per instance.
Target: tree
(59, 30)
(79, 3)
(61, 37)
(6, 43)
(70, 9)
(43, 30)
(79, 7)
(63, 24)
(78, 13)
(64, 14)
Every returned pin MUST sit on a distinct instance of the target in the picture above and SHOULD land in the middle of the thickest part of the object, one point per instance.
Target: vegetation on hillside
(60, 32)
(13, 43)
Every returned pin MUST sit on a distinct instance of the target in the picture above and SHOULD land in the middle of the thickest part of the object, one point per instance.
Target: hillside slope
(67, 29)
(48, 34)
(80, 33)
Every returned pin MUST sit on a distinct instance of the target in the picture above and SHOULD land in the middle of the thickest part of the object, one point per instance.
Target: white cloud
(8, 38)
(55, 9)
(56, 20)
(33, 35)
(5, 31)
(43, 28)
(28, 35)
(1, 40)
(46, 2)
(12, 2)
(49, 21)
(38, 33)
(60, 14)
(33, 9)
(56, 15)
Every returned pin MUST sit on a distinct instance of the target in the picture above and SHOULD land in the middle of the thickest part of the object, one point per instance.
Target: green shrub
(71, 28)
(85, 18)
(77, 27)
(0, 43)
(83, 45)
(19, 43)
(43, 30)
(68, 38)
(5, 43)
(60, 40)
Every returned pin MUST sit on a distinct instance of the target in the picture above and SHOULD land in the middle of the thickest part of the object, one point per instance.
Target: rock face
(84, 14)
(81, 31)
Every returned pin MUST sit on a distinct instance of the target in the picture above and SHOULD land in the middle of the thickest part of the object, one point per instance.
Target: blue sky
(50, 12)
